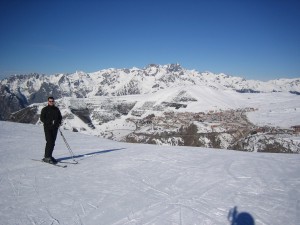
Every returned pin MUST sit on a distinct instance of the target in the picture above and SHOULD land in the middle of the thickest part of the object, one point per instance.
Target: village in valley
(229, 129)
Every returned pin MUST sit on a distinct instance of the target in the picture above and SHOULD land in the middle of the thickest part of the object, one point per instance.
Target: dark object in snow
(242, 218)
(40, 160)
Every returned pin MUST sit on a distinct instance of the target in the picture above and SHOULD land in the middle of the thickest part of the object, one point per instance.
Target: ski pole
(68, 146)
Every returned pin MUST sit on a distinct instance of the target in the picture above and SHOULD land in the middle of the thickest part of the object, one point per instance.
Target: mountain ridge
(163, 104)
(116, 82)
(20, 91)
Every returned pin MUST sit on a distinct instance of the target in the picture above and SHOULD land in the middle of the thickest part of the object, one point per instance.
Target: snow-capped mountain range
(117, 82)
(162, 104)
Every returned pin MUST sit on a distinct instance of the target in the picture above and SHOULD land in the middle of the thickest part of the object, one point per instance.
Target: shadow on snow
(239, 218)
(90, 154)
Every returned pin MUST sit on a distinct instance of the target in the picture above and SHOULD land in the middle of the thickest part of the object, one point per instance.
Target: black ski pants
(50, 135)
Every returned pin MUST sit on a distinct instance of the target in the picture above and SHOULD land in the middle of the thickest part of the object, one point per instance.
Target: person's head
(50, 101)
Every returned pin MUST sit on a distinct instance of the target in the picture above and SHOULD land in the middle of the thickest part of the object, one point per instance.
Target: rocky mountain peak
(174, 67)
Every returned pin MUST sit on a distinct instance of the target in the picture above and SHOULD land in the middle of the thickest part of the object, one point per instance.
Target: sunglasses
(50, 101)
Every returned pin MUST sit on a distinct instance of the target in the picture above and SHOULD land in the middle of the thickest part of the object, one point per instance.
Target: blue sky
(254, 39)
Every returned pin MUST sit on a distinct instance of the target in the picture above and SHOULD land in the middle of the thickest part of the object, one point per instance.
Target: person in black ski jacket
(51, 118)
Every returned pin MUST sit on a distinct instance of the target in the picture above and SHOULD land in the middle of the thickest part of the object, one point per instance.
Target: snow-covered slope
(120, 183)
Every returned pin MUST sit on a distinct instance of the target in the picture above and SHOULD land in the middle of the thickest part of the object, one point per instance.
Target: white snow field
(120, 183)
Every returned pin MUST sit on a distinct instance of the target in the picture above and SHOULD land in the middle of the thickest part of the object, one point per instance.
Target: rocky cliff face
(10, 102)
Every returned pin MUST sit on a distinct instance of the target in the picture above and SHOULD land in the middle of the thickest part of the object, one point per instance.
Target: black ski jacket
(51, 117)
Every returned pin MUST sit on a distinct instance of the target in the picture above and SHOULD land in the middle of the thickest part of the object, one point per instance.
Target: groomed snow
(120, 183)
(275, 109)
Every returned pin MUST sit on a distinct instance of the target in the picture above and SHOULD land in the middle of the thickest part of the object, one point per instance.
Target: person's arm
(42, 116)
(59, 117)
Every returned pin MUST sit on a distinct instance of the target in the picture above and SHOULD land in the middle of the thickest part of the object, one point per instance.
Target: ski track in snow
(120, 183)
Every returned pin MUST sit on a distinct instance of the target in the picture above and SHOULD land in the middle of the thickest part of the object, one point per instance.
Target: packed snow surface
(120, 183)
(275, 109)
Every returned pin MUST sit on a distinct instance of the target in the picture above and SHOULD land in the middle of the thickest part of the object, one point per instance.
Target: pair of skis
(58, 164)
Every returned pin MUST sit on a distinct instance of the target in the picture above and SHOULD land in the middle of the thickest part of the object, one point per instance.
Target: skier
(51, 118)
